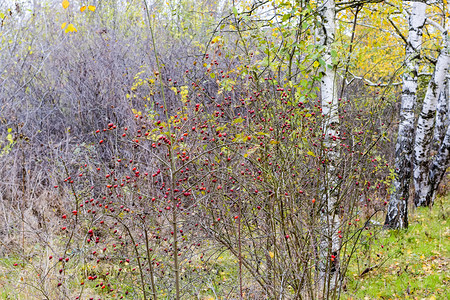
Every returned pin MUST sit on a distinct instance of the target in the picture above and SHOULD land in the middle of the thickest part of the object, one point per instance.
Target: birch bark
(397, 213)
(329, 245)
(441, 117)
(438, 167)
(425, 126)
(442, 159)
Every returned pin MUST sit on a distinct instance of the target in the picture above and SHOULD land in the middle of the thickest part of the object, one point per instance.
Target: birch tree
(441, 117)
(425, 126)
(437, 169)
(397, 214)
(329, 247)
(428, 180)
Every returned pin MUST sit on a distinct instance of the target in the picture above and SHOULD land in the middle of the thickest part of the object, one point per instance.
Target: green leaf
(239, 138)
(235, 12)
(285, 17)
(237, 121)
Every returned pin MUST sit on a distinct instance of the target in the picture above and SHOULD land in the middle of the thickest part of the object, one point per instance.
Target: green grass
(412, 264)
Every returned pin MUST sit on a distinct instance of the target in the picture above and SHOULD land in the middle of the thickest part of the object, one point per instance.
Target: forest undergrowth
(400, 264)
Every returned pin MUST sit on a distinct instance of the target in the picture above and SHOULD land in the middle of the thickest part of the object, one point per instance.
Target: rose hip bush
(241, 167)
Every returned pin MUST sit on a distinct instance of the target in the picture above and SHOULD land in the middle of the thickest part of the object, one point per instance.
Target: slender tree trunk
(438, 168)
(329, 245)
(397, 213)
(442, 159)
(425, 126)
(441, 117)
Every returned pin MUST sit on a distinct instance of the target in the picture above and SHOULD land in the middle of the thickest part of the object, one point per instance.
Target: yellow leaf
(83, 8)
(63, 25)
(215, 39)
(65, 4)
(271, 254)
(91, 7)
(316, 64)
(71, 28)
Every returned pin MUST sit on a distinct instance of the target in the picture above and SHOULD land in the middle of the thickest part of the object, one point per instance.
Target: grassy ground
(402, 264)
(407, 264)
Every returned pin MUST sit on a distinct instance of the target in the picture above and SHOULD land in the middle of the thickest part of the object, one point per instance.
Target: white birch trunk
(397, 213)
(441, 117)
(425, 126)
(329, 245)
(438, 167)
